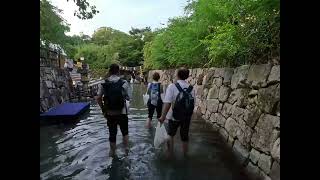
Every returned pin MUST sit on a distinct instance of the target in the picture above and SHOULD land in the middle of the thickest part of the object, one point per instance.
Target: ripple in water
(80, 151)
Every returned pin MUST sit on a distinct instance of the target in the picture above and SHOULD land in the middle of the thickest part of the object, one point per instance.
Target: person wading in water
(177, 109)
(154, 90)
(111, 97)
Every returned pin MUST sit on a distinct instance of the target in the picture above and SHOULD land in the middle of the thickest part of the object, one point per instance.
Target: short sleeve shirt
(127, 91)
(171, 94)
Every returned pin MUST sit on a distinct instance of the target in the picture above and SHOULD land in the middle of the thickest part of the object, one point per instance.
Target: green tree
(85, 10)
(218, 33)
(52, 25)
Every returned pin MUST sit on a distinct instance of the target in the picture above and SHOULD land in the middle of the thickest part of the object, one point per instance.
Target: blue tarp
(67, 110)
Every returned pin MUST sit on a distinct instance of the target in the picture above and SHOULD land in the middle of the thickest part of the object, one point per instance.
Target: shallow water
(80, 151)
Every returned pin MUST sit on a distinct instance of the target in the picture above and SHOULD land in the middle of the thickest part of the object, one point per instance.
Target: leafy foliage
(218, 33)
(52, 25)
(108, 46)
(85, 11)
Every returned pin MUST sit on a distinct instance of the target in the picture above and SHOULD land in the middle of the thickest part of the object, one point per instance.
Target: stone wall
(54, 87)
(243, 104)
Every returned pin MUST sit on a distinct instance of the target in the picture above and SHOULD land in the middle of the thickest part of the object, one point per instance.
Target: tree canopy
(211, 33)
(85, 10)
(52, 25)
(218, 33)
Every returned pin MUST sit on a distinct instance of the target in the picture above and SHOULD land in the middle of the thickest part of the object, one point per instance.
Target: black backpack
(113, 98)
(184, 104)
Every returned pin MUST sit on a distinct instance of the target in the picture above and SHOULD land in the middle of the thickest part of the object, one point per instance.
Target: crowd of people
(174, 106)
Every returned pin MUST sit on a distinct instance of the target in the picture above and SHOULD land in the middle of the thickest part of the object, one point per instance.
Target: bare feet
(126, 150)
(148, 124)
(112, 153)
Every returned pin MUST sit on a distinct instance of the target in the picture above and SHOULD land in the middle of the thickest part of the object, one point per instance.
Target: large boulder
(44, 92)
(200, 79)
(241, 152)
(199, 91)
(227, 75)
(258, 74)
(221, 121)
(203, 106)
(275, 152)
(254, 156)
(275, 171)
(212, 105)
(217, 81)
(237, 113)
(224, 93)
(213, 92)
(208, 78)
(244, 134)
(220, 107)
(232, 127)
(274, 76)
(265, 133)
(253, 171)
(224, 134)
(239, 97)
(239, 77)
(213, 118)
(219, 72)
(207, 115)
(251, 116)
(268, 99)
(227, 110)
(264, 163)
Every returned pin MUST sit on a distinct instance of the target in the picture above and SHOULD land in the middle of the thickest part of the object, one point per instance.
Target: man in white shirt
(173, 124)
(115, 116)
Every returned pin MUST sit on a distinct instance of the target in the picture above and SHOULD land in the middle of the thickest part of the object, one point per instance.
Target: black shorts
(113, 121)
(151, 109)
(184, 129)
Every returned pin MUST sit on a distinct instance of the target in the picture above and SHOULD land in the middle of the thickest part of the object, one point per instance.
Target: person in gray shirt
(111, 97)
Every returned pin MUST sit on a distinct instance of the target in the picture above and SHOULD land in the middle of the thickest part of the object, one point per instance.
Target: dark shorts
(113, 122)
(151, 109)
(184, 129)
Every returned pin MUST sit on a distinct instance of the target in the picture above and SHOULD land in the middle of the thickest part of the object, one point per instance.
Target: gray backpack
(154, 94)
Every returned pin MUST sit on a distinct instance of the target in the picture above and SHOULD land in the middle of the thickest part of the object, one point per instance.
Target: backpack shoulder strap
(179, 87)
(189, 89)
(159, 84)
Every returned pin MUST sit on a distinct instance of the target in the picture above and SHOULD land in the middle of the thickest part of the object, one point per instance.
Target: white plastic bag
(145, 99)
(161, 135)
(127, 104)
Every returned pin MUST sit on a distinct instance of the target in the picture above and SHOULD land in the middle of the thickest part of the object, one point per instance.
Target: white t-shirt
(171, 94)
(127, 92)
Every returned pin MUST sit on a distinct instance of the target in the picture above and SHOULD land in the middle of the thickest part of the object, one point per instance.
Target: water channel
(81, 151)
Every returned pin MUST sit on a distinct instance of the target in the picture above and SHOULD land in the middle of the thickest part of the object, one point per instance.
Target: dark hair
(156, 76)
(183, 73)
(114, 69)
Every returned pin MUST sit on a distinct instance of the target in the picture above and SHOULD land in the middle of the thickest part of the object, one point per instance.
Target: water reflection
(80, 151)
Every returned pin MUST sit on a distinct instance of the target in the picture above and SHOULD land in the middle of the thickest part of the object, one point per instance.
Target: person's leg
(151, 109)
(123, 123)
(184, 133)
(172, 130)
(159, 110)
(112, 125)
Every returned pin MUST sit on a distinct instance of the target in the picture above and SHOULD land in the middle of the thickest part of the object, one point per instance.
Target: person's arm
(99, 96)
(127, 91)
(168, 99)
(165, 110)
